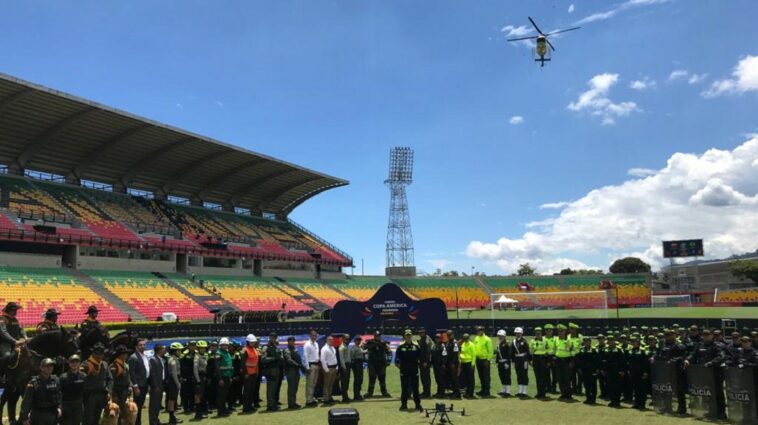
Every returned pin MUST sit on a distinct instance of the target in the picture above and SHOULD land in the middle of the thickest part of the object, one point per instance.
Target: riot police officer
(11, 333)
(42, 399)
(711, 354)
(675, 353)
(378, 350)
(408, 360)
(50, 323)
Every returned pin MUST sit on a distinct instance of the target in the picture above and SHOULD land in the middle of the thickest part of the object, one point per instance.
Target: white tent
(505, 300)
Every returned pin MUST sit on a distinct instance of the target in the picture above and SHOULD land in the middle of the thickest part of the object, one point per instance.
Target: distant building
(706, 275)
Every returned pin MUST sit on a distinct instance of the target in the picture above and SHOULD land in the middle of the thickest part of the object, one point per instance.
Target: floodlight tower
(399, 236)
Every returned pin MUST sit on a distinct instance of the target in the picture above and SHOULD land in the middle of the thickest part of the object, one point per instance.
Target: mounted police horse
(24, 364)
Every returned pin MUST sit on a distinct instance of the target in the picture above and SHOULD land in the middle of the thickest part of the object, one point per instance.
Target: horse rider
(90, 322)
(12, 334)
(50, 323)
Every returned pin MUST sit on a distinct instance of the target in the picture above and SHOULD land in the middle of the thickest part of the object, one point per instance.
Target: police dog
(129, 417)
(111, 414)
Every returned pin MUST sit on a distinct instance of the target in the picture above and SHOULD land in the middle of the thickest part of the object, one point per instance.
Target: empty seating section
(464, 293)
(126, 210)
(360, 287)
(19, 196)
(252, 294)
(737, 296)
(632, 289)
(590, 300)
(36, 290)
(187, 283)
(149, 295)
(511, 284)
(317, 290)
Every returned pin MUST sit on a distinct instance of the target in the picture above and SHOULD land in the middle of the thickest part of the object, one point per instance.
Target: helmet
(224, 341)
(518, 331)
(47, 362)
(501, 332)
(251, 338)
(176, 346)
(202, 344)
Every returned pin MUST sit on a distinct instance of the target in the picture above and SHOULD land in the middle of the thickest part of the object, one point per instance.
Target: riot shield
(740, 395)
(664, 379)
(702, 390)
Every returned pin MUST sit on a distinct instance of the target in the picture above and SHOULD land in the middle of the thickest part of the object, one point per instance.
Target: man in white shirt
(330, 364)
(311, 362)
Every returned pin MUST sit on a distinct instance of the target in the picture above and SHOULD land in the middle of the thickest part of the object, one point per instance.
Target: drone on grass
(541, 52)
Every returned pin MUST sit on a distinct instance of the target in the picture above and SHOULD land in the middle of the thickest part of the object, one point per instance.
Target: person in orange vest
(250, 369)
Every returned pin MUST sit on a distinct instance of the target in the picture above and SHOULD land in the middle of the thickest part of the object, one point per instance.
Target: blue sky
(333, 85)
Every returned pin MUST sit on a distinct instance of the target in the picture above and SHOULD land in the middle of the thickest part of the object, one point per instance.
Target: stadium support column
(400, 261)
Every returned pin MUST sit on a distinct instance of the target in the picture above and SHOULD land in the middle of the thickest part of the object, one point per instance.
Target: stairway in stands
(486, 288)
(210, 302)
(297, 294)
(336, 289)
(107, 295)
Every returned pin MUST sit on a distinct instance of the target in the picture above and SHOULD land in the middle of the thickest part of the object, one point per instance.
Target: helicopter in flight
(542, 42)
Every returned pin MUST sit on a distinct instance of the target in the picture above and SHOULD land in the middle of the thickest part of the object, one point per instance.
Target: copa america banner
(740, 395)
(664, 379)
(701, 386)
(390, 306)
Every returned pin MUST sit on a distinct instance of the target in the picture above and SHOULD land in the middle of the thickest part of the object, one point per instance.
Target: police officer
(90, 322)
(576, 344)
(408, 360)
(453, 364)
(521, 358)
(200, 372)
(377, 351)
(173, 380)
(211, 390)
(711, 354)
(639, 371)
(122, 382)
(746, 356)
(250, 363)
(272, 363)
(484, 354)
(224, 370)
(11, 333)
(72, 387)
(600, 347)
(467, 356)
(563, 350)
(538, 348)
(98, 383)
(293, 366)
(425, 344)
(503, 359)
(357, 359)
(439, 364)
(552, 365)
(345, 367)
(675, 353)
(613, 368)
(50, 323)
(587, 361)
(187, 392)
(42, 399)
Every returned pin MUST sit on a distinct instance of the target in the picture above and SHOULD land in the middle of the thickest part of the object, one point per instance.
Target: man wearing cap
(439, 364)
(503, 359)
(156, 381)
(272, 365)
(613, 368)
(357, 359)
(521, 358)
(425, 344)
(711, 355)
(211, 389)
(408, 360)
(72, 389)
(186, 360)
(600, 348)
(587, 360)
(345, 366)
(329, 364)
(378, 350)
(139, 369)
(484, 354)
(540, 357)
(639, 371)
(551, 371)
(199, 381)
(293, 365)
(42, 398)
(576, 345)
(468, 355)
(224, 365)
(675, 353)
(173, 381)
(50, 323)
(11, 333)
(97, 385)
(311, 360)
(453, 366)
(746, 356)
(122, 383)
(250, 371)
(563, 350)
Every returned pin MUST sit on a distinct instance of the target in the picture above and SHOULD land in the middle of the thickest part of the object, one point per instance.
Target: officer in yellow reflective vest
(484, 354)
(563, 349)
(540, 362)
(576, 345)
(552, 371)
(468, 355)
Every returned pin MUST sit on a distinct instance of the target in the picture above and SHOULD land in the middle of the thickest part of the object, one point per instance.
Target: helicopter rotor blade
(560, 31)
(550, 44)
(523, 38)
(535, 25)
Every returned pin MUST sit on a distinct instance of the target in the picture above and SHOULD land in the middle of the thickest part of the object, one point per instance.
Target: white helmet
(518, 331)
(224, 341)
(501, 332)
(251, 338)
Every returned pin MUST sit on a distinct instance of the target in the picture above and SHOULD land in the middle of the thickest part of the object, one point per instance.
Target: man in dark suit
(139, 367)
(155, 383)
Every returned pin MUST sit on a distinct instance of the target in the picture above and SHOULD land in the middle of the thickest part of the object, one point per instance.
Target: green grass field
(625, 313)
(479, 412)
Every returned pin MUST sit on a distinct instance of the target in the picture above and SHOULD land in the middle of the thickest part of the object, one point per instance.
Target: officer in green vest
(538, 347)
(484, 354)
(552, 372)
(576, 345)
(563, 350)
(224, 364)
(468, 355)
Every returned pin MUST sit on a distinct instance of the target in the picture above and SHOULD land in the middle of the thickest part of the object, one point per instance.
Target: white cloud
(516, 120)
(571, 8)
(641, 172)
(600, 16)
(511, 31)
(596, 101)
(643, 84)
(678, 74)
(745, 79)
(697, 78)
(713, 195)
(554, 205)
(179, 105)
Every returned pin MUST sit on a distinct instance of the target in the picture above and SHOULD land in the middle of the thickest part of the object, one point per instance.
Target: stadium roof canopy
(54, 132)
